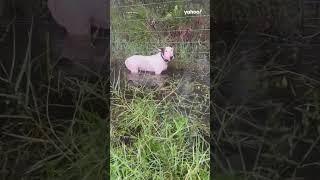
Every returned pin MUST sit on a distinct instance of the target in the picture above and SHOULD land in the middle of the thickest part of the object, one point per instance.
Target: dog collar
(165, 60)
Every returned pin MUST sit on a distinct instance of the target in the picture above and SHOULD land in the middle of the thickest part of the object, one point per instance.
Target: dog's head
(167, 53)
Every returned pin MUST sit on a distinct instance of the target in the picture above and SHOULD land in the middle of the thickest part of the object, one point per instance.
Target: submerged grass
(151, 138)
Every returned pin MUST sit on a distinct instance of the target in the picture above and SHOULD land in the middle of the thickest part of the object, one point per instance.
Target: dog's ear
(161, 50)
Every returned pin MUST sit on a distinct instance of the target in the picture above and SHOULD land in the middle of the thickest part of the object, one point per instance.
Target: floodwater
(192, 84)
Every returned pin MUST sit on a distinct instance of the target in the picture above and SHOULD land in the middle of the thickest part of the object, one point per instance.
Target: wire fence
(160, 20)
(199, 35)
(181, 30)
(176, 34)
(117, 3)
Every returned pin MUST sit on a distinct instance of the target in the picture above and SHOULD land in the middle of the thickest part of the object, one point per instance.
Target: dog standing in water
(155, 63)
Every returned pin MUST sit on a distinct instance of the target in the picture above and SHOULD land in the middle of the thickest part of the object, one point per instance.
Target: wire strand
(193, 30)
(177, 17)
(194, 42)
(148, 4)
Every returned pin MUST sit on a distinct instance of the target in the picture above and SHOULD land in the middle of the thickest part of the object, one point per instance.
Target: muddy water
(193, 85)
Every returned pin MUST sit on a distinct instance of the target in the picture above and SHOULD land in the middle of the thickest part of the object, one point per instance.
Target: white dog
(155, 63)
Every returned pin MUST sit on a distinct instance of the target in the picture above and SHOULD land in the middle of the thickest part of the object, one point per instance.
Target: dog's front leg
(158, 72)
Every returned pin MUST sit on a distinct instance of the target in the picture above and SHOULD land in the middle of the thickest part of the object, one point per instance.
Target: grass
(276, 124)
(53, 135)
(274, 132)
(143, 29)
(152, 138)
(55, 126)
(52, 126)
(157, 133)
